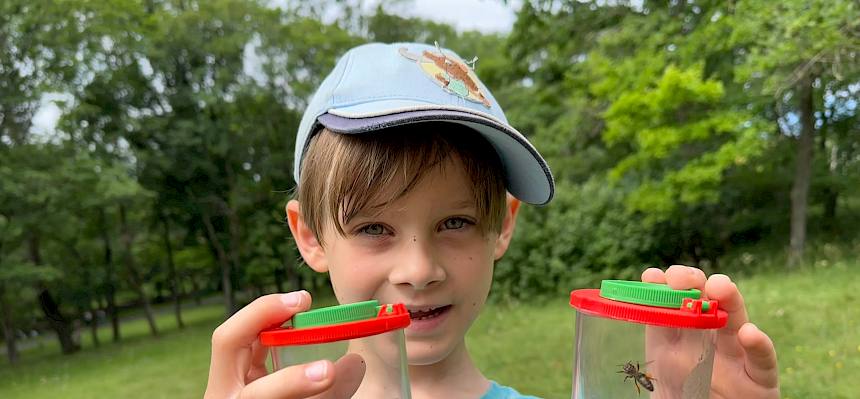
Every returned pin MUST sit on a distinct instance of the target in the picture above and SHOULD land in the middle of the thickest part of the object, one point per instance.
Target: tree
(200, 130)
(803, 51)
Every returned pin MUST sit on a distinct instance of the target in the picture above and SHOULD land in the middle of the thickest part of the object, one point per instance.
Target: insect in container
(639, 377)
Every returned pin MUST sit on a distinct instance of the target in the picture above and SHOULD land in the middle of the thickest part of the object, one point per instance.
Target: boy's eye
(455, 223)
(375, 229)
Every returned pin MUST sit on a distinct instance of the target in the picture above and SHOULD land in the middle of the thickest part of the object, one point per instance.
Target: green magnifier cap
(336, 314)
(648, 294)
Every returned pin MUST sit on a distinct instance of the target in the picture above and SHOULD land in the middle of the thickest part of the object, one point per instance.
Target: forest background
(718, 134)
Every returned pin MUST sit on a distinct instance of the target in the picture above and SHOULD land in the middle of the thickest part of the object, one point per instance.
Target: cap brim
(527, 175)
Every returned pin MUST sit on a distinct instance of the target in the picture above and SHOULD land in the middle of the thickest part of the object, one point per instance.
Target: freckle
(470, 258)
(474, 304)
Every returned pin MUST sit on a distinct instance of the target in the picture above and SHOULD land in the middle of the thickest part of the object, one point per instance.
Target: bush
(583, 237)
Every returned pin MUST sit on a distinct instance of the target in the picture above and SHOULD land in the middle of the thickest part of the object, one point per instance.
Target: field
(811, 314)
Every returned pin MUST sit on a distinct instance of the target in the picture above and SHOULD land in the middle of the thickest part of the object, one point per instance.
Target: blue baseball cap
(377, 86)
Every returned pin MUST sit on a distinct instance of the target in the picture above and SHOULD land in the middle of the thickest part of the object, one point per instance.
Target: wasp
(639, 377)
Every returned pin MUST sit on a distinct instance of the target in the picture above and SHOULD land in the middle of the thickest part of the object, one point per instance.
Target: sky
(482, 15)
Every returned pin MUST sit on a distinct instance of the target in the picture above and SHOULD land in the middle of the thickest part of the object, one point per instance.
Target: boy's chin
(427, 353)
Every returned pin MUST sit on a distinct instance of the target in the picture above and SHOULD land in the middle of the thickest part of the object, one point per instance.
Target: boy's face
(424, 250)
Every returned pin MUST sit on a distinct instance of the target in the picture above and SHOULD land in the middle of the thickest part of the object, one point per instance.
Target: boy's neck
(454, 377)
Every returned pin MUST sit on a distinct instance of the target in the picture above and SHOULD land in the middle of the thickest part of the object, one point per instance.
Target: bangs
(345, 174)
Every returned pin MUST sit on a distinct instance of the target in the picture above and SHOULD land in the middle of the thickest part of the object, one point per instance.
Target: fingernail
(292, 299)
(316, 371)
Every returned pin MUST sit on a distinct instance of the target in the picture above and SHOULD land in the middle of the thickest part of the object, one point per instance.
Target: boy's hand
(238, 368)
(745, 359)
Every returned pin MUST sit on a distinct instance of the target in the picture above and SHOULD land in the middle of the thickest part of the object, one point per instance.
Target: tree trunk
(221, 254)
(51, 309)
(830, 191)
(8, 328)
(94, 326)
(831, 194)
(109, 287)
(171, 269)
(59, 323)
(279, 272)
(803, 172)
(90, 294)
(135, 278)
(195, 286)
(279, 279)
(235, 250)
(232, 217)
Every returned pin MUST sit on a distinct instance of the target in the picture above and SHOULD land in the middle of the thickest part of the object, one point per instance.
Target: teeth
(427, 309)
(424, 313)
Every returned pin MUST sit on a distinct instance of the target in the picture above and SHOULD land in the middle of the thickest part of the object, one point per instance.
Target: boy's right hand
(238, 369)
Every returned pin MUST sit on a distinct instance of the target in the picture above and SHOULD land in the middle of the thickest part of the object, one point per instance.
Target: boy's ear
(310, 248)
(508, 223)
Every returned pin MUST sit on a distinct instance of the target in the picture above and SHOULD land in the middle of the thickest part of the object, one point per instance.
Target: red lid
(690, 315)
(390, 317)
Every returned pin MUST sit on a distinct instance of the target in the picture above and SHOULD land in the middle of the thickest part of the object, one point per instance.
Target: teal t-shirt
(497, 391)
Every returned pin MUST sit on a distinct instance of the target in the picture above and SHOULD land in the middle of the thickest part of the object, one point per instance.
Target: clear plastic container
(641, 340)
(375, 332)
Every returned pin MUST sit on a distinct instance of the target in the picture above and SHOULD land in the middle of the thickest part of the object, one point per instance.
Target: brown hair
(344, 174)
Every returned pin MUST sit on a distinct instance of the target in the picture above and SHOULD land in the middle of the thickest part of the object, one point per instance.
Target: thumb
(323, 378)
(760, 356)
(295, 382)
(350, 372)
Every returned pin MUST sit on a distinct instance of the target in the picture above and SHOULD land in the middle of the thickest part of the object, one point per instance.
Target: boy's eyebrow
(368, 212)
(465, 203)
(372, 212)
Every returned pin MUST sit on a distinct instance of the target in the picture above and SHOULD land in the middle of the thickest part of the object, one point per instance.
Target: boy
(404, 162)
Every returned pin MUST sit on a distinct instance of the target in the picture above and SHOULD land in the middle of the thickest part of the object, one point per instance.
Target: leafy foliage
(671, 129)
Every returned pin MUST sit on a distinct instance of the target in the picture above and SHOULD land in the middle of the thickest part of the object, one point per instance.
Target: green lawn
(173, 365)
(811, 314)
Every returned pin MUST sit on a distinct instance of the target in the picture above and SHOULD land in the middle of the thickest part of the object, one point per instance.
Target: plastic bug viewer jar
(642, 340)
(375, 332)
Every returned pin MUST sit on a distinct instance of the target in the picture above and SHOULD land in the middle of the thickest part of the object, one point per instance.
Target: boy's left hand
(745, 359)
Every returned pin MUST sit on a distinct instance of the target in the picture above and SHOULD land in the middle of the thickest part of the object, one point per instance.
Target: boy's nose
(417, 266)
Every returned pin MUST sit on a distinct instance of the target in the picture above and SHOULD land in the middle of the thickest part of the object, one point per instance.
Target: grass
(814, 319)
(811, 314)
(528, 347)
(173, 365)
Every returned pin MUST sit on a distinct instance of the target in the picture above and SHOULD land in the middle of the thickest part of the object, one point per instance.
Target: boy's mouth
(421, 313)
